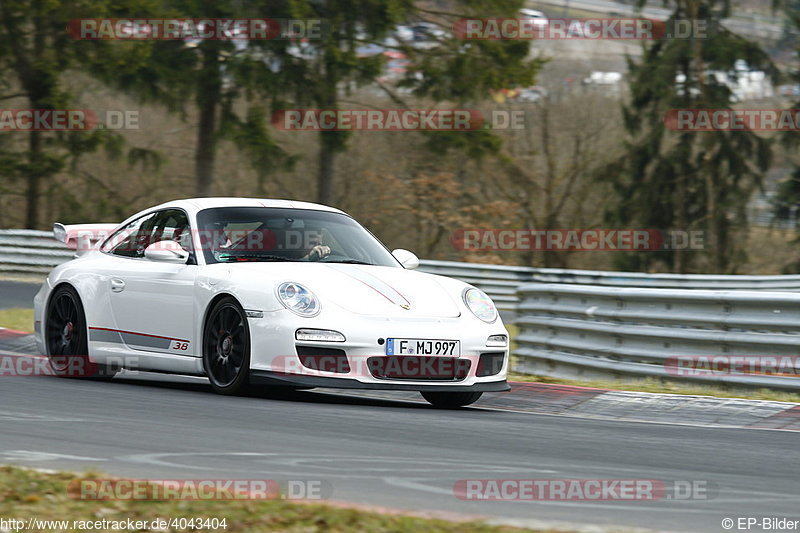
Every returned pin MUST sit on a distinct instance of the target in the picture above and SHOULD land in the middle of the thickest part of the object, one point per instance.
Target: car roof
(198, 204)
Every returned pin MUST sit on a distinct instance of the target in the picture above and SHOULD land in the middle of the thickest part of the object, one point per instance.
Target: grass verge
(18, 319)
(24, 278)
(666, 387)
(28, 493)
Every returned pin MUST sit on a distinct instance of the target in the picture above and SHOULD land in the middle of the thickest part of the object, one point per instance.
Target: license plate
(423, 347)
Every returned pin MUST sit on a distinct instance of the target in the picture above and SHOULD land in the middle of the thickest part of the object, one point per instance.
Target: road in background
(17, 294)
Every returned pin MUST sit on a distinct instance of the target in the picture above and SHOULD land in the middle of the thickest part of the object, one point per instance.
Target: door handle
(117, 285)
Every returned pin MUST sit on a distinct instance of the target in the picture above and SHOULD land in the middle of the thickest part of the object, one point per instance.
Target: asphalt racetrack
(393, 453)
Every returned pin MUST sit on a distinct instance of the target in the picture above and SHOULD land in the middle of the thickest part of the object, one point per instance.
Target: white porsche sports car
(266, 292)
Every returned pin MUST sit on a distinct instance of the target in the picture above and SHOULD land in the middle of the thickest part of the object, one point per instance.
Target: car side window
(173, 225)
(132, 240)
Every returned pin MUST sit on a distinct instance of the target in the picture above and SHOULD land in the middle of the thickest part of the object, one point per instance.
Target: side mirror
(166, 252)
(406, 258)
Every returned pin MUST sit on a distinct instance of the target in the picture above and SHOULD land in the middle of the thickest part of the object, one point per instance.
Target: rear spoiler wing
(82, 237)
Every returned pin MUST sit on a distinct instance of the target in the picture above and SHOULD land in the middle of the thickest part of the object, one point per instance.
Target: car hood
(366, 289)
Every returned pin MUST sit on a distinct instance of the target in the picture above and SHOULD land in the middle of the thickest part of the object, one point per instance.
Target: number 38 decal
(183, 346)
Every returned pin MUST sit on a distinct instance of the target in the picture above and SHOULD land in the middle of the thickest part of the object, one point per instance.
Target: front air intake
(490, 364)
(419, 368)
(324, 359)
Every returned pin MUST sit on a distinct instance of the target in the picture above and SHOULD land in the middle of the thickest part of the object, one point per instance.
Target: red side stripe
(141, 334)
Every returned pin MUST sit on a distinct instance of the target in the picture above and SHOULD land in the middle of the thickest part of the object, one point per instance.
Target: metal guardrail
(664, 281)
(25, 251)
(498, 281)
(36, 252)
(589, 323)
(501, 282)
(578, 331)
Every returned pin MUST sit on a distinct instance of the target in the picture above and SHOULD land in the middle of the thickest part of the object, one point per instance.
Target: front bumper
(266, 377)
(275, 360)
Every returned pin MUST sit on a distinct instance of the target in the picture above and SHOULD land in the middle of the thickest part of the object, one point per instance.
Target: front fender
(89, 286)
(253, 294)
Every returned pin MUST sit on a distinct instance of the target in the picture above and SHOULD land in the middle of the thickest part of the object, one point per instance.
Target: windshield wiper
(349, 262)
(230, 257)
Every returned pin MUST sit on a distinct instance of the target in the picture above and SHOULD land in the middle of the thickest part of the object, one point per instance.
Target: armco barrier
(581, 331)
(30, 252)
(612, 326)
(36, 252)
(501, 282)
(498, 281)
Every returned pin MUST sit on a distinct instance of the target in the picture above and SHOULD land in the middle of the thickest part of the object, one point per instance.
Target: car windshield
(265, 234)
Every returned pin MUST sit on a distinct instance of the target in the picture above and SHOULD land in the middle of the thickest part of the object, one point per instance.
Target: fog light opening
(318, 335)
(497, 341)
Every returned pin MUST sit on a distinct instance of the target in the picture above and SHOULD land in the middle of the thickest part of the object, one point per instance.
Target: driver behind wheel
(305, 244)
(316, 250)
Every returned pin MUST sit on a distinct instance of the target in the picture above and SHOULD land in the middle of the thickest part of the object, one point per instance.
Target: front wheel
(451, 400)
(67, 340)
(226, 348)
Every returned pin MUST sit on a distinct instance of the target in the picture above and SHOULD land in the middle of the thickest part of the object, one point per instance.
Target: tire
(226, 348)
(67, 338)
(451, 400)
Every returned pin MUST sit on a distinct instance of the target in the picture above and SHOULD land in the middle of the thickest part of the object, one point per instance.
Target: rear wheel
(451, 400)
(226, 347)
(66, 337)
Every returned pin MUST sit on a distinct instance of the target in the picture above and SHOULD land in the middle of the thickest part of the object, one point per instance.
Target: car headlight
(481, 305)
(298, 299)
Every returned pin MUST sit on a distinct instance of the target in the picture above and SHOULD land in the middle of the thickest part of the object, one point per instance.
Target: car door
(153, 302)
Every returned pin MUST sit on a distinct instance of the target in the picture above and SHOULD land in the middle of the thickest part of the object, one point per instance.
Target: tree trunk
(39, 89)
(33, 181)
(330, 142)
(327, 159)
(679, 264)
(714, 222)
(550, 216)
(208, 95)
(680, 261)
